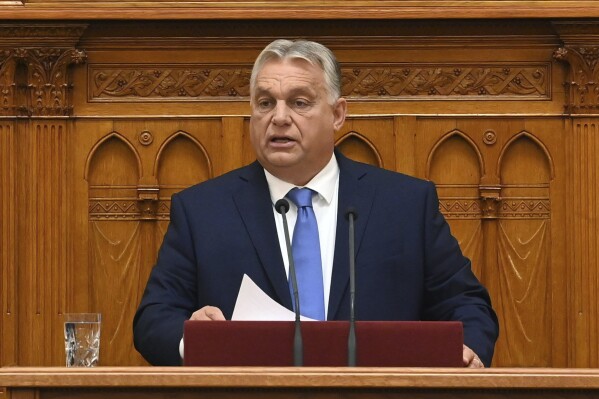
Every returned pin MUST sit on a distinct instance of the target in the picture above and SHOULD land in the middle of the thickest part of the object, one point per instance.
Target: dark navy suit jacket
(408, 265)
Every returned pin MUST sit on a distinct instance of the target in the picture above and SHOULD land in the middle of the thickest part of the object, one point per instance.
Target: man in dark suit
(408, 265)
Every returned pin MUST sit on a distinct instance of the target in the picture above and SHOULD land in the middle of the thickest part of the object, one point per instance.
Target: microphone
(282, 206)
(351, 215)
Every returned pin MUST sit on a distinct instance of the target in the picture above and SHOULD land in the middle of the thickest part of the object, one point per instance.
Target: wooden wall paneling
(455, 165)
(132, 169)
(8, 240)
(583, 240)
(524, 243)
(369, 140)
(405, 148)
(493, 217)
(579, 54)
(233, 136)
(42, 230)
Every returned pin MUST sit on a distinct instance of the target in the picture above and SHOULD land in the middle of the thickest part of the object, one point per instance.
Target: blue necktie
(306, 256)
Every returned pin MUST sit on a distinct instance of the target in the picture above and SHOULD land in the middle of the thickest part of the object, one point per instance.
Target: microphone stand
(282, 206)
(351, 215)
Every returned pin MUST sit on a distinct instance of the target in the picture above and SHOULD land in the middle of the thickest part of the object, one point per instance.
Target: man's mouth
(281, 139)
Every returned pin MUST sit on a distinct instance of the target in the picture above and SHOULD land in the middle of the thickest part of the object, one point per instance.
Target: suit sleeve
(170, 296)
(452, 291)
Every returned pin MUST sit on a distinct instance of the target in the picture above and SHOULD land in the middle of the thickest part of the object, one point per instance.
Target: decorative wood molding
(113, 209)
(140, 83)
(490, 200)
(580, 52)
(8, 86)
(525, 208)
(169, 83)
(582, 84)
(491, 206)
(52, 51)
(40, 34)
(48, 86)
(448, 82)
(460, 208)
(147, 207)
(297, 9)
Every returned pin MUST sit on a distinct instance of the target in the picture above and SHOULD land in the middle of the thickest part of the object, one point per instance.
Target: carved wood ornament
(206, 82)
(46, 91)
(581, 53)
(583, 89)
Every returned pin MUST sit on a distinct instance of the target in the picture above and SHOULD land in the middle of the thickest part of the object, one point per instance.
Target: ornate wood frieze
(172, 82)
(147, 207)
(40, 34)
(460, 208)
(492, 206)
(113, 209)
(445, 81)
(525, 208)
(131, 83)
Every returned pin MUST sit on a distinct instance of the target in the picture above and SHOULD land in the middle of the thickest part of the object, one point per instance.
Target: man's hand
(208, 313)
(470, 359)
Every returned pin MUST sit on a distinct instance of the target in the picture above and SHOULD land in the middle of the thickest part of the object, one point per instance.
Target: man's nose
(281, 114)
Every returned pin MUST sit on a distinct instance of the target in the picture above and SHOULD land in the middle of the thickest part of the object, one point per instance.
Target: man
(408, 265)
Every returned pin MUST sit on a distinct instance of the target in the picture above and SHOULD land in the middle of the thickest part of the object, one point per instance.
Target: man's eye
(301, 103)
(264, 104)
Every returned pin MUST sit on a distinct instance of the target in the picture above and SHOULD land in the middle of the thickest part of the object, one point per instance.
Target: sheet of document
(253, 304)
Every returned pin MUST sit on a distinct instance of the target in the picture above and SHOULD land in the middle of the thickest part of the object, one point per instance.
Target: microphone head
(282, 205)
(351, 211)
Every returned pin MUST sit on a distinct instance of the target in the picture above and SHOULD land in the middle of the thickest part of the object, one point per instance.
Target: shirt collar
(324, 183)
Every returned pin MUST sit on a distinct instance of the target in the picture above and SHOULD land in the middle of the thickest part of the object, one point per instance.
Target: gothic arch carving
(177, 135)
(536, 141)
(444, 139)
(99, 144)
(362, 150)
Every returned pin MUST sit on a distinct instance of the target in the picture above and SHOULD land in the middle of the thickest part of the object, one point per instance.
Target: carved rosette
(48, 86)
(582, 84)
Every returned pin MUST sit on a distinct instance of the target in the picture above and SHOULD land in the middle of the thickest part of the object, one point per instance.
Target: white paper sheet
(253, 304)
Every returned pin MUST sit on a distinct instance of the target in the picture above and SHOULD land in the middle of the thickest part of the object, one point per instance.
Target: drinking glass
(82, 339)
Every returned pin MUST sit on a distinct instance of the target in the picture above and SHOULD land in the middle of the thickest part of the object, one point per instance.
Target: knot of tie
(301, 197)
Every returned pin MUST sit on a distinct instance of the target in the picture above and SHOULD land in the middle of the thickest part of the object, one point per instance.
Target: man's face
(293, 124)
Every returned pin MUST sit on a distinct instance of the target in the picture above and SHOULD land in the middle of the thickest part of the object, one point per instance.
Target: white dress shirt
(325, 204)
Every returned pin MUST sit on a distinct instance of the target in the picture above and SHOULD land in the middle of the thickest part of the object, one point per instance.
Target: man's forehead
(296, 74)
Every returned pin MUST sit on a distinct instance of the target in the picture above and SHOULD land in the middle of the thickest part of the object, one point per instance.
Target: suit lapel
(354, 191)
(255, 209)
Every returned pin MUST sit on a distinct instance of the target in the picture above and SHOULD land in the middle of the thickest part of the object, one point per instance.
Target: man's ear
(339, 113)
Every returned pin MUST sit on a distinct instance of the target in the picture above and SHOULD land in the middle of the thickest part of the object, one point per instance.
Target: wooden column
(8, 297)
(35, 199)
(581, 52)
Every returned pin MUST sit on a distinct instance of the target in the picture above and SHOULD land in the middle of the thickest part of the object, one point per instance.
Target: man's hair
(315, 53)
